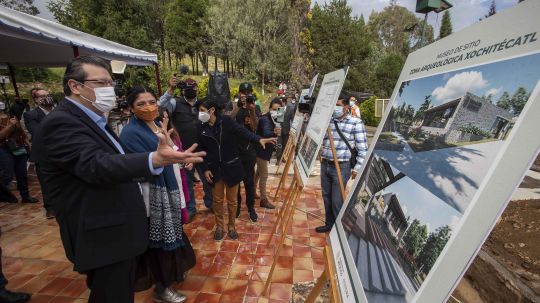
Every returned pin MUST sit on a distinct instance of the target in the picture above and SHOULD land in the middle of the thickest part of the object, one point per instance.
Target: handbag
(353, 151)
(16, 150)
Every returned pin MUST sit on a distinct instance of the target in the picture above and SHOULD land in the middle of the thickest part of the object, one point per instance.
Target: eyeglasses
(101, 83)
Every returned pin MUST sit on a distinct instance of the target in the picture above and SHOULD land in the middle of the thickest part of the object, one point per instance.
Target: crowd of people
(121, 200)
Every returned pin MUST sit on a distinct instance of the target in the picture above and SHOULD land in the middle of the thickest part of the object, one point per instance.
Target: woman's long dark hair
(136, 91)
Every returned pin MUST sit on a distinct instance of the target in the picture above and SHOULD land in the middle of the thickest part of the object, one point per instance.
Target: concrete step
(362, 263)
(375, 282)
(385, 272)
(353, 244)
(398, 286)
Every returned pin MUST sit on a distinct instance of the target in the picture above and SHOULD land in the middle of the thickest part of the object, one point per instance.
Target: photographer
(185, 118)
(245, 114)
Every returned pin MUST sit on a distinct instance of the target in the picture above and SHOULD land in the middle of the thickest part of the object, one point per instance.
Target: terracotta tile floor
(227, 271)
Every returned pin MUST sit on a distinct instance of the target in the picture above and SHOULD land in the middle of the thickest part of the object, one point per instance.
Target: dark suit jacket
(98, 204)
(32, 119)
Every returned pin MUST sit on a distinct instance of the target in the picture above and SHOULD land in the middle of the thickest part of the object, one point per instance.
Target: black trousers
(248, 163)
(3, 280)
(114, 283)
(44, 189)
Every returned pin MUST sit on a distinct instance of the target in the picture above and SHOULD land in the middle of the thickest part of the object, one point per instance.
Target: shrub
(475, 130)
(367, 112)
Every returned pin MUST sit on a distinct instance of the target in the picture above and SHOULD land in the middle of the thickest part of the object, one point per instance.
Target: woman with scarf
(169, 254)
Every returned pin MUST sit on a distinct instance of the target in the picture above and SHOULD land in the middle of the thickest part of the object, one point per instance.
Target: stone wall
(483, 118)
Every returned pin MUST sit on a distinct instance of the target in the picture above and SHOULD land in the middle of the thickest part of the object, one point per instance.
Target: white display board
(298, 116)
(312, 86)
(318, 121)
(459, 134)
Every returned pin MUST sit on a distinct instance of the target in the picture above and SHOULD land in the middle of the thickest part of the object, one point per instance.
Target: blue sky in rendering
(492, 78)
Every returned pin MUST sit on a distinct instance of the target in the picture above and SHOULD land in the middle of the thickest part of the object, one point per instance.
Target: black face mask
(190, 93)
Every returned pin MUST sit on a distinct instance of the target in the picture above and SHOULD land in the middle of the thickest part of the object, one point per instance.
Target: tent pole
(75, 51)
(14, 81)
(158, 78)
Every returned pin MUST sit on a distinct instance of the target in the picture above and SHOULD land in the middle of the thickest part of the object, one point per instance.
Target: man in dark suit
(93, 184)
(44, 105)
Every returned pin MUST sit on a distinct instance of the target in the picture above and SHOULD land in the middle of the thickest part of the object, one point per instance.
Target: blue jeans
(331, 191)
(191, 206)
(14, 166)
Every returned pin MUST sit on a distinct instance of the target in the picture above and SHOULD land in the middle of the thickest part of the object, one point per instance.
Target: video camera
(306, 107)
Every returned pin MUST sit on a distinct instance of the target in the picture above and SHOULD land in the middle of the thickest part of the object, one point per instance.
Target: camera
(250, 98)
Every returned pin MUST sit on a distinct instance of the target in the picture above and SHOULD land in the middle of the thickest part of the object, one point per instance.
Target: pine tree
(492, 9)
(446, 25)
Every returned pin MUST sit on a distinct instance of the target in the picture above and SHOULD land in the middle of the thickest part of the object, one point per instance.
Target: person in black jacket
(222, 165)
(290, 110)
(267, 128)
(184, 116)
(44, 105)
(94, 184)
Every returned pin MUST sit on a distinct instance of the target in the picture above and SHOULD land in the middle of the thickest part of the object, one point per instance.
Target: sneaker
(30, 200)
(237, 212)
(323, 229)
(266, 204)
(169, 296)
(218, 235)
(253, 215)
(233, 234)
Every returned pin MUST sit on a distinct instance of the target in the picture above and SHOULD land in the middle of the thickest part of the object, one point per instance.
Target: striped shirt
(353, 129)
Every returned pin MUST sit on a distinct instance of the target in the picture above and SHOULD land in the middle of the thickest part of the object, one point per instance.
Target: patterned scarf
(166, 196)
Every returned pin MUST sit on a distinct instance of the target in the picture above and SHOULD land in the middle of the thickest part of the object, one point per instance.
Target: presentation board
(459, 134)
(318, 122)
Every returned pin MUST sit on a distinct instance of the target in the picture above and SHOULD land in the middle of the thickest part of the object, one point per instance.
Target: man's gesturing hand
(166, 155)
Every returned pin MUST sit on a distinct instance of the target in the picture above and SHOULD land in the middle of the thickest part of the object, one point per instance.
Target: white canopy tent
(30, 41)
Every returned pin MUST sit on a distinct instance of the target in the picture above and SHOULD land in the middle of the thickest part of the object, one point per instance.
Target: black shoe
(7, 296)
(323, 229)
(12, 199)
(252, 215)
(266, 204)
(233, 234)
(30, 200)
(50, 214)
(237, 212)
(218, 235)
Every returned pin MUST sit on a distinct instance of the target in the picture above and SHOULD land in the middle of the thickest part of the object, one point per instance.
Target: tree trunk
(169, 55)
(262, 88)
(228, 70)
(176, 61)
(216, 64)
(204, 62)
(196, 64)
(192, 64)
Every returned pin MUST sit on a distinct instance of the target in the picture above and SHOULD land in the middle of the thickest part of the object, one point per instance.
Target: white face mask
(2, 106)
(105, 98)
(273, 114)
(204, 117)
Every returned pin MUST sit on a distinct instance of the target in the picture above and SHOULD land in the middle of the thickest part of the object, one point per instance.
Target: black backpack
(218, 88)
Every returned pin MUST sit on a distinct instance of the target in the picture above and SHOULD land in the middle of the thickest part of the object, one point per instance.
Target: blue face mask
(338, 112)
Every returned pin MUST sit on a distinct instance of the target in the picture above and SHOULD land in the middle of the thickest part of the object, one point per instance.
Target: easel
(284, 220)
(288, 154)
(329, 273)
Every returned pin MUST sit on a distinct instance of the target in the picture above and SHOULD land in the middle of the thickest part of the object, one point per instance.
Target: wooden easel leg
(328, 274)
(282, 210)
(284, 175)
(316, 291)
(297, 192)
(284, 155)
(336, 163)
